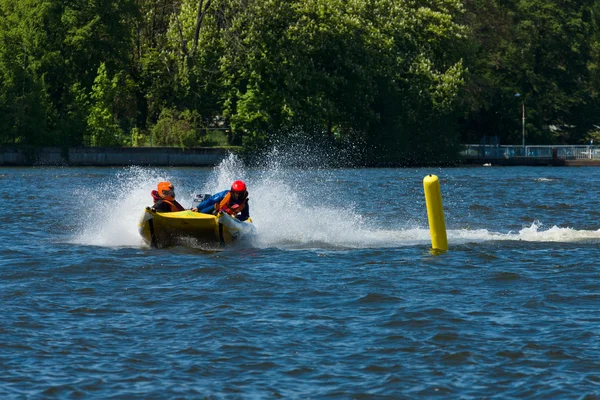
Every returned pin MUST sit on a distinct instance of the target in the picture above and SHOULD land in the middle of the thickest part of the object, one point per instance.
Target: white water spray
(116, 207)
(287, 211)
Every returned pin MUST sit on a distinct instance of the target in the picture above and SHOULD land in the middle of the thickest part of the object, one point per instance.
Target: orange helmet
(166, 190)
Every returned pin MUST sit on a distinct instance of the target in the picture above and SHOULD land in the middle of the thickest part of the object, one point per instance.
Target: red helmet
(238, 186)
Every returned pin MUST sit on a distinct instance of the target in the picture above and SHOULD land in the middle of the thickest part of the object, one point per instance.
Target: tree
(102, 128)
(541, 50)
(60, 46)
(363, 67)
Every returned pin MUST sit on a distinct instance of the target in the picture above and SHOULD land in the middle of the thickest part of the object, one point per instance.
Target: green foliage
(543, 50)
(330, 63)
(138, 139)
(50, 52)
(175, 128)
(102, 128)
(407, 80)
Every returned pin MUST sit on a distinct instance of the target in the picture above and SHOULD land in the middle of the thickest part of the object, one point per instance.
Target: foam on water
(556, 234)
(533, 233)
(296, 223)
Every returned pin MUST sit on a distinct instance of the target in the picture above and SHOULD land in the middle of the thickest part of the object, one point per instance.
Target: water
(338, 297)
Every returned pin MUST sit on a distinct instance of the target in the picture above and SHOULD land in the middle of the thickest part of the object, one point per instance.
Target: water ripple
(352, 305)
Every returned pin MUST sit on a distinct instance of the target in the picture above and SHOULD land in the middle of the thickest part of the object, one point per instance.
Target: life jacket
(175, 206)
(227, 202)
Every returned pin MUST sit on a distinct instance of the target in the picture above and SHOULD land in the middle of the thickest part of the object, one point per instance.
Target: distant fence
(514, 153)
(111, 156)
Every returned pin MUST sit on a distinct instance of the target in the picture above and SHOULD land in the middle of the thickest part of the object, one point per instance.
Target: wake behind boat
(163, 229)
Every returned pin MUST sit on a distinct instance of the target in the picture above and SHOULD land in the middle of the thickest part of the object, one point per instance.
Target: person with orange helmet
(164, 198)
(233, 201)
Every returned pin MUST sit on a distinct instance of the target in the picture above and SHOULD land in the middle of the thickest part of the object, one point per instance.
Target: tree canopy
(406, 80)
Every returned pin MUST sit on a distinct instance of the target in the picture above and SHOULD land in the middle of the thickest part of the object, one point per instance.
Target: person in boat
(164, 198)
(233, 201)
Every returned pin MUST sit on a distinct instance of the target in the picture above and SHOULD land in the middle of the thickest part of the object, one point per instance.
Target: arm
(208, 206)
(215, 198)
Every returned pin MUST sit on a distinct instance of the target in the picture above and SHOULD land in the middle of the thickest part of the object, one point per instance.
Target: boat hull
(160, 229)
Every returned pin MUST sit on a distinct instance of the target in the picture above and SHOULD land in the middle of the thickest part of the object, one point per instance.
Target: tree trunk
(202, 9)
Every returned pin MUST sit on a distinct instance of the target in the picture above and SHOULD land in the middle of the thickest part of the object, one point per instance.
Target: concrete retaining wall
(111, 156)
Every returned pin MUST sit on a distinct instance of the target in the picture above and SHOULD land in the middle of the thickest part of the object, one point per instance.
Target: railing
(480, 151)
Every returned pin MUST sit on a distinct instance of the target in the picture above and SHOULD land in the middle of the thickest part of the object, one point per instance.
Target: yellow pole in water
(435, 212)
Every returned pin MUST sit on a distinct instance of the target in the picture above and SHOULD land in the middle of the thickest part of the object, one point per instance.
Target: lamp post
(523, 120)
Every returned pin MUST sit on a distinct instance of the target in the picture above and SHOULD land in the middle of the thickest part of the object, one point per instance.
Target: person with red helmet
(164, 198)
(233, 201)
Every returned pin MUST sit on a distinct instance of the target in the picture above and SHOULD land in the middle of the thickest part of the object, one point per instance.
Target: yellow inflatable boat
(163, 229)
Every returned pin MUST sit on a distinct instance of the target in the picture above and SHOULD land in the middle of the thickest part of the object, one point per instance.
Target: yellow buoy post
(435, 212)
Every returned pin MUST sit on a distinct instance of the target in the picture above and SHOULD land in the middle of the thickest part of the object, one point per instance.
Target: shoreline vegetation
(380, 83)
(19, 156)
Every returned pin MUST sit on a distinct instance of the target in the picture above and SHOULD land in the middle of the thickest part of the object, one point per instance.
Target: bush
(176, 128)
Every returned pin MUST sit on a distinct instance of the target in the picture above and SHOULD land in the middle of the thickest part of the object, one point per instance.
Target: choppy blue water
(338, 296)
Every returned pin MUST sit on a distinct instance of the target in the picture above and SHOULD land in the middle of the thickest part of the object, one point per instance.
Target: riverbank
(111, 156)
(204, 157)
